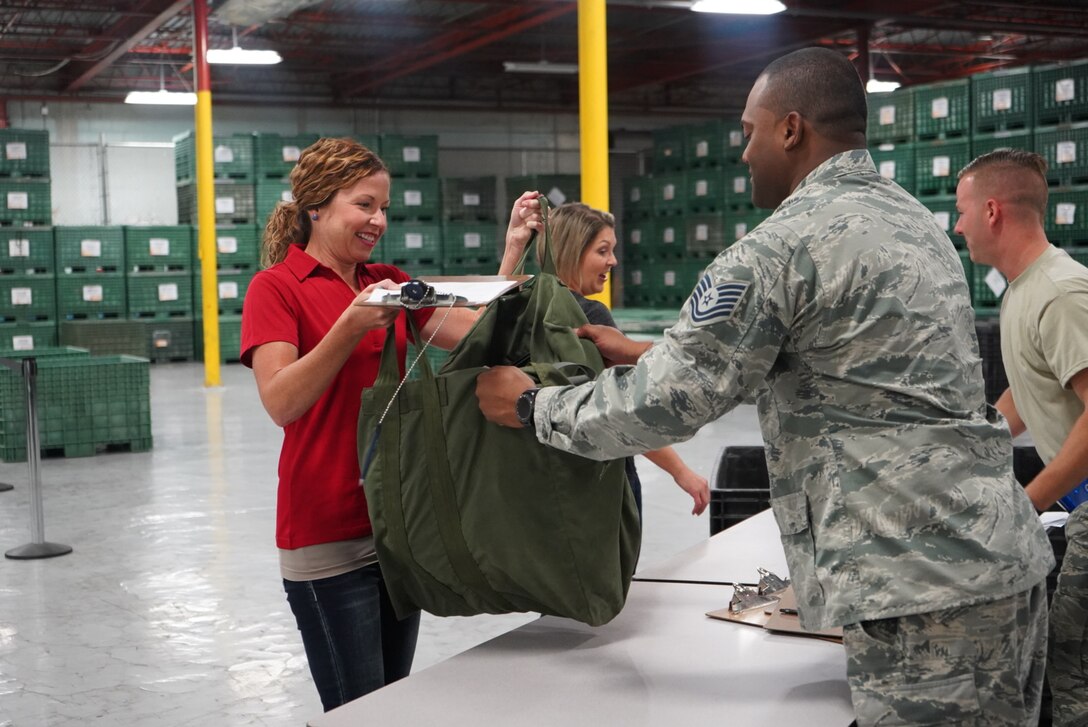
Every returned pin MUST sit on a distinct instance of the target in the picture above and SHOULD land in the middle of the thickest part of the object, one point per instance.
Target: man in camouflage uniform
(1002, 199)
(847, 314)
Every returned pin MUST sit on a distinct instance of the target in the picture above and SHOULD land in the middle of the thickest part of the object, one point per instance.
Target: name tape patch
(710, 303)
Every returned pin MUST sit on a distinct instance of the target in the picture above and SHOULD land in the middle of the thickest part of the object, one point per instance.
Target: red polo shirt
(297, 301)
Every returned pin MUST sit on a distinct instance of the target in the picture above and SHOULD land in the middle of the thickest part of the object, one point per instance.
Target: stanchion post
(37, 547)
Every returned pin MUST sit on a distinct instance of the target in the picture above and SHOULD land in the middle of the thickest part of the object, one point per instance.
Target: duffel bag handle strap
(548, 264)
(561, 373)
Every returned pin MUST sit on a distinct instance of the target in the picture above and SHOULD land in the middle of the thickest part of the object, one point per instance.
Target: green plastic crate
(635, 283)
(1066, 221)
(558, 188)
(235, 203)
(230, 337)
(670, 149)
(91, 295)
(469, 199)
(672, 281)
(1002, 100)
(82, 249)
(28, 335)
(268, 193)
(158, 248)
(706, 189)
(1061, 93)
(232, 157)
(715, 143)
(416, 198)
(411, 242)
(104, 337)
(1065, 149)
(942, 110)
(937, 164)
(410, 156)
(26, 202)
(670, 193)
(275, 155)
(707, 234)
(891, 116)
(231, 286)
(470, 242)
(237, 247)
(895, 161)
(982, 293)
(27, 250)
(160, 295)
(638, 239)
(24, 153)
(1012, 139)
(28, 298)
(638, 197)
(944, 212)
(737, 187)
(170, 339)
(670, 239)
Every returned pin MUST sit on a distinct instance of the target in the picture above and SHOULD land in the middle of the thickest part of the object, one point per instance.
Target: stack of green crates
(274, 158)
(91, 281)
(159, 260)
(25, 189)
(470, 227)
(410, 156)
(233, 170)
(237, 250)
(28, 292)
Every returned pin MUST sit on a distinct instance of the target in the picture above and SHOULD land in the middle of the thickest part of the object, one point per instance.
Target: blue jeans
(353, 639)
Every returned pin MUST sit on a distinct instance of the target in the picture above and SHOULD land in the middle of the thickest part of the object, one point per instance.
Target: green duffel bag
(471, 517)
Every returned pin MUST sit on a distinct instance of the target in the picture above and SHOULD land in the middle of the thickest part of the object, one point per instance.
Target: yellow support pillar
(593, 110)
(205, 196)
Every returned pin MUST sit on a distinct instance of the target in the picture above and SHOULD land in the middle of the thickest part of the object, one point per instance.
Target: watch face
(524, 407)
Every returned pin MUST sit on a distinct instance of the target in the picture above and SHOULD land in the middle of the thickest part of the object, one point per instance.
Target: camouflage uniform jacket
(847, 314)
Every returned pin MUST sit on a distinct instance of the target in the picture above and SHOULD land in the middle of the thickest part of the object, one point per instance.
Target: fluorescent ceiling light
(539, 67)
(243, 56)
(738, 7)
(161, 97)
(875, 86)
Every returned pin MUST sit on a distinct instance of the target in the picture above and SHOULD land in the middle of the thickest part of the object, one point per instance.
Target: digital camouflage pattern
(891, 478)
(973, 667)
(1068, 667)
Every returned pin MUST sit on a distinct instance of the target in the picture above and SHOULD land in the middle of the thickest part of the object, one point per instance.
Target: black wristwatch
(525, 407)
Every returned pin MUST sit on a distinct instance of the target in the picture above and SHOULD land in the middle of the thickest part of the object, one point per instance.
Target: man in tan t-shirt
(1002, 198)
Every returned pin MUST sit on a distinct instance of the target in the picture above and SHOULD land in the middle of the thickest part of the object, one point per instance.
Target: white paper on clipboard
(472, 290)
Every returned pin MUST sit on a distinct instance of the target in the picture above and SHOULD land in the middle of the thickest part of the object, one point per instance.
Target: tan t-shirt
(326, 560)
(1044, 343)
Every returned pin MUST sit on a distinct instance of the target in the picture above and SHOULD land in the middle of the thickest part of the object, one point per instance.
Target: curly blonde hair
(573, 227)
(323, 169)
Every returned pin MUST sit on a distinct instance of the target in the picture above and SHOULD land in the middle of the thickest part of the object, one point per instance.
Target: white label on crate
(887, 169)
(887, 115)
(18, 200)
(668, 191)
(92, 293)
(291, 153)
(944, 220)
(223, 154)
(667, 151)
(15, 150)
(740, 184)
(168, 291)
(22, 296)
(700, 188)
(1065, 213)
(636, 194)
(227, 245)
(18, 248)
(159, 246)
(996, 281)
(939, 108)
(287, 196)
(1002, 100)
(670, 278)
(942, 166)
(635, 237)
(228, 290)
(702, 148)
(668, 236)
(22, 343)
(736, 138)
(740, 230)
(413, 198)
(90, 248)
(470, 199)
(1066, 152)
(411, 154)
(472, 239)
(702, 233)
(636, 277)
(413, 240)
(224, 205)
(1065, 90)
(556, 196)
(886, 146)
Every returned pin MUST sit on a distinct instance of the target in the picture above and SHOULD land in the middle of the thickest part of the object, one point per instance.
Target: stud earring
(313, 216)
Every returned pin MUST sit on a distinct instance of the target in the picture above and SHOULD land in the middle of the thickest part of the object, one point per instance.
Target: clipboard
(468, 291)
(778, 617)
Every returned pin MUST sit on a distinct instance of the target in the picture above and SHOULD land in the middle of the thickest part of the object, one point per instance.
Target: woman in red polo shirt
(313, 351)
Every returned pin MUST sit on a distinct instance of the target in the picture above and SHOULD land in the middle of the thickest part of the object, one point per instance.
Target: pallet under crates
(85, 404)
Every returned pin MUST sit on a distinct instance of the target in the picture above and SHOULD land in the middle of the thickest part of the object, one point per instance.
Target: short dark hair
(1015, 175)
(821, 85)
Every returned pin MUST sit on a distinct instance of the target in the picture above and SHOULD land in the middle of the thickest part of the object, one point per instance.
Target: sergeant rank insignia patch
(710, 303)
